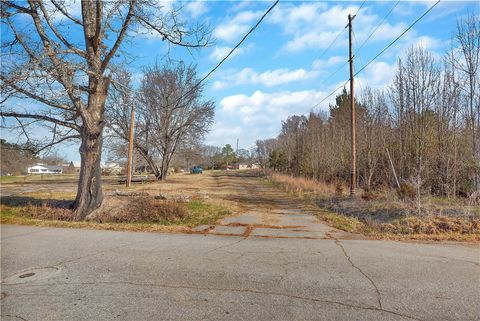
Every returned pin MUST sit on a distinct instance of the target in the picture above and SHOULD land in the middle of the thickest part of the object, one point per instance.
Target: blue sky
(282, 68)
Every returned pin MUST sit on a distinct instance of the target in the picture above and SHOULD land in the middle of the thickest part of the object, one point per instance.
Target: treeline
(213, 157)
(422, 128)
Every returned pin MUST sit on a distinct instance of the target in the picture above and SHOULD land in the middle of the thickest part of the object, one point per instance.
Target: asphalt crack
(14, 316)
(70, 260)
(227, 245)
(246, 290)
(377, 291)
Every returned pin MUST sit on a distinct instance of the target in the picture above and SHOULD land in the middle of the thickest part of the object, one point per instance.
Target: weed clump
(339, 189)
(368, 195)
(48, 211)
(433, 225)
(406, 192)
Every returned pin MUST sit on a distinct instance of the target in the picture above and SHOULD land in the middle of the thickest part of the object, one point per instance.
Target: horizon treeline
(423, 127)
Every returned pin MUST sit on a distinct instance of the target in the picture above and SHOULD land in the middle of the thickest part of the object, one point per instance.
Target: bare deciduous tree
(468, 39)
(170, 113)
(62, 62)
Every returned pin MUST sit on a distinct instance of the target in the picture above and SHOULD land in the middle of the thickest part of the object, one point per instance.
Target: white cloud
(218, 85)
(219, 52)
(267, 108)
(259, 115)
(269, 78)
(377, 75)
(332, 61)
(316, 25)
(73, 7)
(196, 8)
(234, 28)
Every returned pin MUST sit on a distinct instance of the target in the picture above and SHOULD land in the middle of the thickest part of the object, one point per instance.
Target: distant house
(247, 166)
(44, 169)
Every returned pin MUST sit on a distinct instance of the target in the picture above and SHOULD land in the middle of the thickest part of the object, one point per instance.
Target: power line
(224, 58)
(361, 6)
(339, 34)
(380, 53)
(330, 94)
(331, 43)
(359, 55)
(346, 62)
(378, 26)
(396, 39)
(238, 45)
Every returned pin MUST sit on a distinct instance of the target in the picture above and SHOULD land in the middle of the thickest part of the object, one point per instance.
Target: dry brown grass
(139, 209)
(433, 225)
(385, 214)
(302, 185)
(207, 203)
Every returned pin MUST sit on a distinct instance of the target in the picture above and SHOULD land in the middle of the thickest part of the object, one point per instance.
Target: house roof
(76, 163)
(49, 167)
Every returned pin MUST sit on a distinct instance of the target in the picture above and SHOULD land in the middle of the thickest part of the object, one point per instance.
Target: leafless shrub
(406, 191)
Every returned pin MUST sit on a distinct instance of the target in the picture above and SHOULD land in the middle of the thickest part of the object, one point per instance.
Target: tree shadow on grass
(22, 201)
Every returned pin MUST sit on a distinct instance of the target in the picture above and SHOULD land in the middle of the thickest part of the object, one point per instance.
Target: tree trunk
(150, 162)
(89, 193)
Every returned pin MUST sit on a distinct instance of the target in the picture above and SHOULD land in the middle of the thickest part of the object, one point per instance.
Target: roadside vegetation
(417, 154)
(385, 213)
(176, 205)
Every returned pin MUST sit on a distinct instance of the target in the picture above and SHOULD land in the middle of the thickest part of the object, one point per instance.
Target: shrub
(339, 189)
(368, 195)
(406, 191)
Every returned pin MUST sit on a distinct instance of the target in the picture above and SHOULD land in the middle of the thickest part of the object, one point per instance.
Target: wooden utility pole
(236, 154)
(353, 169)
(130, 148)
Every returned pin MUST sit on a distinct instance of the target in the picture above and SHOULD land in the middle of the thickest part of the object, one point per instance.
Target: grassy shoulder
(384, 216)
(175, 205)
(144, 213)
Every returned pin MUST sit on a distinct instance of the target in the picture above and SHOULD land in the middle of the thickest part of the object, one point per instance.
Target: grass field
(191, 200)
(22, 179)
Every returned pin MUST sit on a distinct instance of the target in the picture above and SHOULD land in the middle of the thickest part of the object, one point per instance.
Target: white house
(44, 169)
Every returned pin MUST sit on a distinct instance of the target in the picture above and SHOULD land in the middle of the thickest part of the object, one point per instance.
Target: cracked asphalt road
(105, 275)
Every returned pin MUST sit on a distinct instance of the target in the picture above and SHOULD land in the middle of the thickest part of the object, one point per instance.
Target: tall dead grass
(302, 185)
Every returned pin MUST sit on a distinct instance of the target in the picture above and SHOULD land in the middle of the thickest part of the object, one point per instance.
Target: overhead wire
(223, 59)
(364, 42)
(396, 39)
(380, 53)
(237, 45)
(378, 26)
